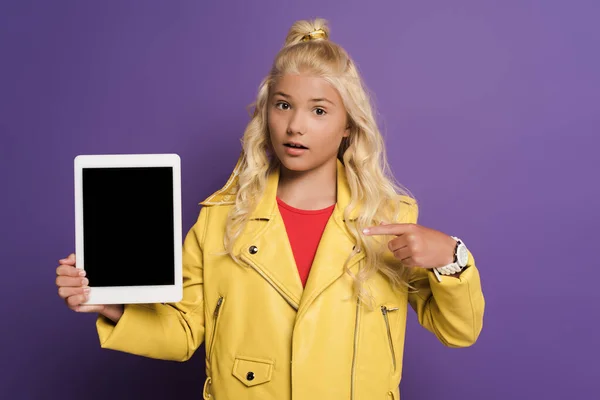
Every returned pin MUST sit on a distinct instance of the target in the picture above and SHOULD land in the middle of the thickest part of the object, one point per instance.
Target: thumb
(69, 260)
(90, 308)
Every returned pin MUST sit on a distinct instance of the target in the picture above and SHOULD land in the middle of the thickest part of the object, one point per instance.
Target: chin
(296, 164)
(301, 164)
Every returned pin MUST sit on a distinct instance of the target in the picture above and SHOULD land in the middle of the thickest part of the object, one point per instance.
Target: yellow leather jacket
(267, 337)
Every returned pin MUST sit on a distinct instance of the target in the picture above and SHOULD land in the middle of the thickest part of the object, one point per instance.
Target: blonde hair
(373, 191)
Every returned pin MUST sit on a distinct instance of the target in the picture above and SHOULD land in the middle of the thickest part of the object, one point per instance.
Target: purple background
(491, 111)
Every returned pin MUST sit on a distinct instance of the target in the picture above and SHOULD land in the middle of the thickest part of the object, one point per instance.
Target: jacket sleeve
(451, 309)
(165, 331)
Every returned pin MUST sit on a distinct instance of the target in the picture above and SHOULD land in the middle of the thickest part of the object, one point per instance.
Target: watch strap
(453, 267)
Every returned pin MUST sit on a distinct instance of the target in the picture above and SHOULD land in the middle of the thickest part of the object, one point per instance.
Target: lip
(294, 151)
(296, 144)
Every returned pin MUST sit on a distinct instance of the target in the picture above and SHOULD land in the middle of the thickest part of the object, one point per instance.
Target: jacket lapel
(334, 249)
(264, 245)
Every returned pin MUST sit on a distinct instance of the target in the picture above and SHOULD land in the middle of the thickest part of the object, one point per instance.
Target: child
(298, 272)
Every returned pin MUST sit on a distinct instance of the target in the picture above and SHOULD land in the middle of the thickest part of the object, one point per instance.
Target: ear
(348, 126)
(347, 131)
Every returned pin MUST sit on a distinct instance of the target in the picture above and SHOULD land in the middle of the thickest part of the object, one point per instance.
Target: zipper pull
(385, 310)
(218, 307)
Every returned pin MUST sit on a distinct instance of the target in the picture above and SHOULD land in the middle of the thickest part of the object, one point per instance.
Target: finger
(409, 262)
(70, 281)
(64, 291)
(76, 300)
(388, 229)
(397, 243)
(70, 260)
(68, 270)
(403, 254)
(91, 308)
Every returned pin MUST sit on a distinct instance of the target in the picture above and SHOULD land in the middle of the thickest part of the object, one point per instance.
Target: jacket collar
(267, 205)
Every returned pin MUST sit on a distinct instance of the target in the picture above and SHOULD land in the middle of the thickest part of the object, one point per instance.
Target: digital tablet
(128, 227)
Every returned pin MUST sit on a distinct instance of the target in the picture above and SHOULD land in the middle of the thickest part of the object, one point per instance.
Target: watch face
(463, 255)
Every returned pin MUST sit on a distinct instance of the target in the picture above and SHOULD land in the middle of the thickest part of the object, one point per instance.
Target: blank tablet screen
(128, 232)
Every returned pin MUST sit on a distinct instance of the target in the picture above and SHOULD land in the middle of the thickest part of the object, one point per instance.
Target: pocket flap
(252, 371)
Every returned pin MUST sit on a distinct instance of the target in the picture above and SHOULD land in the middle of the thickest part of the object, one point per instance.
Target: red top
(304, 229)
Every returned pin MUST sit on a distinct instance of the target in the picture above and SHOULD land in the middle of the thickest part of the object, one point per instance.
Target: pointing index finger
(390, 229)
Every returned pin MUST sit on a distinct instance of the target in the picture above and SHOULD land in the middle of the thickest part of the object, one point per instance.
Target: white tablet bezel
(131, 294)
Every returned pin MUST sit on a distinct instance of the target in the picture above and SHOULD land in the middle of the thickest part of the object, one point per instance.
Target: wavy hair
(374, 193)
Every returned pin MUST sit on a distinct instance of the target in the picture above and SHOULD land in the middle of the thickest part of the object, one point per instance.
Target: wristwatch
(461, 257)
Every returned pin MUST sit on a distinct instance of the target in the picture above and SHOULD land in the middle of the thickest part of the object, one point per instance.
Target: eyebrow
(287, 96)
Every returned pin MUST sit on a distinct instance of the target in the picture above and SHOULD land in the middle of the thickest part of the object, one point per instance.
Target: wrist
(451, 252)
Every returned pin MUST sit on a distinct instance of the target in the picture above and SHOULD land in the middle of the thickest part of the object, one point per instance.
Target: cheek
(274, 123)
(331, 134)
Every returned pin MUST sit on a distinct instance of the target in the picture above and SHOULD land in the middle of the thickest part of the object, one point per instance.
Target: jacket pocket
(252, 371)
(213, 336)
(385, 310)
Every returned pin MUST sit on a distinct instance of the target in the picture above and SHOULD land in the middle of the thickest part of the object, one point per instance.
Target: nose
(296, 124)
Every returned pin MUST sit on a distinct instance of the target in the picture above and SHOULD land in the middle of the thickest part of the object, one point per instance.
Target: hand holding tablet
(128, 227)
(73, 288)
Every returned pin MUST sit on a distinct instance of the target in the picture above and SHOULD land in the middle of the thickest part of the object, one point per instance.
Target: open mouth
(295, 146)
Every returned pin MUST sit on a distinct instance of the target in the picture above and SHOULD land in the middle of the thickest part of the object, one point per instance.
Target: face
(307, 122)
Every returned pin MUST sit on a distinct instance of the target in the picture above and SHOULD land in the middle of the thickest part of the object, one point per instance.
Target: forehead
(303, 87)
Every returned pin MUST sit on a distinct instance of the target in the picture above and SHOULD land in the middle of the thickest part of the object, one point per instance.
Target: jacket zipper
(385, 311)
(287, 298)
(214, 332)
(353, 373)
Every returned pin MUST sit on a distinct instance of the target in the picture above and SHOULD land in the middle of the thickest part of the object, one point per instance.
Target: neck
(309, 190)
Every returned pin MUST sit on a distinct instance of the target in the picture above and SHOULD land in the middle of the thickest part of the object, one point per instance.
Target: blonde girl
(299, 272)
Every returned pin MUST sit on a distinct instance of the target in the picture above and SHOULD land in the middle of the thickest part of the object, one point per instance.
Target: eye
(281, 105)
(320, 111)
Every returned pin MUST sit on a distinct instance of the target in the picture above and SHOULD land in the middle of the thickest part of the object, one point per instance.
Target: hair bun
(305, 30)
